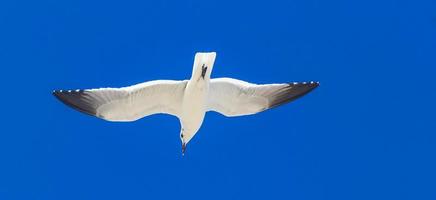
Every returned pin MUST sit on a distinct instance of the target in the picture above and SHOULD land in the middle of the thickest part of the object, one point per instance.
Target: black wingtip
(57, 93)
(294, 91)
(73, 99)
(304, 87)
(312, 84)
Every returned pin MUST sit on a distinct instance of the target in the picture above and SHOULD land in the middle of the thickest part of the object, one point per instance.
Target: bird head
(185, 137)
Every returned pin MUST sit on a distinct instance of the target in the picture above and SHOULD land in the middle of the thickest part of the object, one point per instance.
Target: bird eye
(181, 135)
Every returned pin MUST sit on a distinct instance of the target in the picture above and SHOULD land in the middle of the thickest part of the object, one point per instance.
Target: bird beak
(183, 148)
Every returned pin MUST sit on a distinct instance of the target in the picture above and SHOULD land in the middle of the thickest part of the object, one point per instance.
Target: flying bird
(189, 100)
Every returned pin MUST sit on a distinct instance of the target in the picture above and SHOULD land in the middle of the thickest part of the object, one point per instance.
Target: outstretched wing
(232, 97)
(127, 103)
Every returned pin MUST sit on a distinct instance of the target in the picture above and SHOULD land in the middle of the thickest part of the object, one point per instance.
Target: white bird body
(193, 112)
(189, 100)
(195, 96)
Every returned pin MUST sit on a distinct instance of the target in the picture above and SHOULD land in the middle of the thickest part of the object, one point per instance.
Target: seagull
(188, 100)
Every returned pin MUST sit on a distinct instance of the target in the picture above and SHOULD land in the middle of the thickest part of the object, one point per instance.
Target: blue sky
(368, 132)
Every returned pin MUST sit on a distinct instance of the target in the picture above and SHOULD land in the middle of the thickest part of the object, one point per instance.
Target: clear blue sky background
(368, 132)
